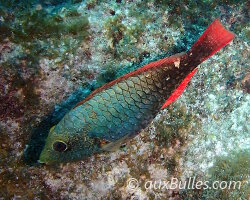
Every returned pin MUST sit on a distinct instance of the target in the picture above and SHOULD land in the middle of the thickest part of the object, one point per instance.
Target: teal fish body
(119, 110)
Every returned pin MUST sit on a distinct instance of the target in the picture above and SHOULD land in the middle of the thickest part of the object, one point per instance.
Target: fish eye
(59, 146)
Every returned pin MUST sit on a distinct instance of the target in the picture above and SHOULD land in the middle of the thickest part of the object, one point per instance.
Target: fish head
(65, 146)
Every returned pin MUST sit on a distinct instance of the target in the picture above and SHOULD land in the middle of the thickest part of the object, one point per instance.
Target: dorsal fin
(179, 89)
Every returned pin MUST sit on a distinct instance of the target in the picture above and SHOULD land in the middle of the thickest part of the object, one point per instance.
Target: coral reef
(54, 53)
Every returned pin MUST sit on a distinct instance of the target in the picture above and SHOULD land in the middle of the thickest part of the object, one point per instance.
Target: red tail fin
(212, 40)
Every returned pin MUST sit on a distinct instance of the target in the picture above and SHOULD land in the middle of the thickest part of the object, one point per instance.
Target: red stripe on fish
(158, 63)
(179, 90)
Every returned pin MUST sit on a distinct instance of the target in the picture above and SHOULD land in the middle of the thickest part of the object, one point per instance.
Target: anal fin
(179, 89)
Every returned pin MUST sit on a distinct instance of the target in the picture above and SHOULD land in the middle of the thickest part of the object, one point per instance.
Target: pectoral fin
(114, 146)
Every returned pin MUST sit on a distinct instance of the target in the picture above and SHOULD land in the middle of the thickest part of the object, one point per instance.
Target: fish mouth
(41, 162)
(43, 158)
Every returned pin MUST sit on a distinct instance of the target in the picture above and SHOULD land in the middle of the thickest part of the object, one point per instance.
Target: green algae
(192, 12)
(40, 25)
(172, 133)
(114, 29)
(91, 4)
(43, 32)
(175, 126)
(234, 168)
(123, 38)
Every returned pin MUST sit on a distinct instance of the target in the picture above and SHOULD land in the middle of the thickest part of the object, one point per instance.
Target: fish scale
(122, 108)
(132, 107)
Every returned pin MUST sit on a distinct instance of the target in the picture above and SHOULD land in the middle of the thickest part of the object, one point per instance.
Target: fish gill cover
(54, 53)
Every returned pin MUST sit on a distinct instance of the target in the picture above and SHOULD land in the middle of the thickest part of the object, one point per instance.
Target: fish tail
(212, 40)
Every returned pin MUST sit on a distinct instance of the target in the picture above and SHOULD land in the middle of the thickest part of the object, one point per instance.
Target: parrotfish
(119, 110)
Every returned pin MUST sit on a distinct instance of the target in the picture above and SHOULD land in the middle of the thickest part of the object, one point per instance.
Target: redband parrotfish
(119, 110)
